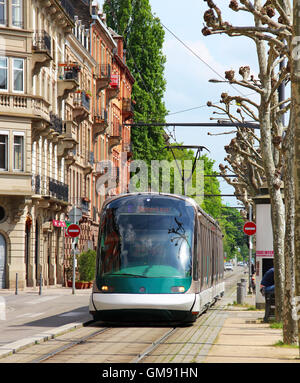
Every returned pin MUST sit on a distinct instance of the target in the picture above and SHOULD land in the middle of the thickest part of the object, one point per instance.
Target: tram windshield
(146, 236)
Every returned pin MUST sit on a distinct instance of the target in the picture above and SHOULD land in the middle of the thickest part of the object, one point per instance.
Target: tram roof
(182, 197)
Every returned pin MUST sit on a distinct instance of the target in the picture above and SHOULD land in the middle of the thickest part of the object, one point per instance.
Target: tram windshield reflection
(144, 236)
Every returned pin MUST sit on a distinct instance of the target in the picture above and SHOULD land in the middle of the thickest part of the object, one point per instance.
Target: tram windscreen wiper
(129, 275)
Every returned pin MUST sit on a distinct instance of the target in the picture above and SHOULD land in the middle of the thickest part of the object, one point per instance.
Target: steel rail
(68, 346)
(154, 345)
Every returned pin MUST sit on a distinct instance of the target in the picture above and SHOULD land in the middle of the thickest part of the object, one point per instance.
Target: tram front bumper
(182, 302)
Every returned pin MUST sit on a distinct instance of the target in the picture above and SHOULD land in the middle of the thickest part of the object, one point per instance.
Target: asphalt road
(29, 313)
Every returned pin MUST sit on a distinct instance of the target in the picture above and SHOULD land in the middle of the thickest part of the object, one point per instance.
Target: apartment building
(112, 107)
(64, 91)
(34, 190)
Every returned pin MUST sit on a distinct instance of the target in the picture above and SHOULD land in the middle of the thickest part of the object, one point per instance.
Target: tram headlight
(106, 289)
(178, 289)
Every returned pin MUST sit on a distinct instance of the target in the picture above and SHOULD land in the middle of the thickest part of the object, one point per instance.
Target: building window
(3, 73)
(2, 12)
(18, 152)
(18, 75)
(3, 151)
(17, 13)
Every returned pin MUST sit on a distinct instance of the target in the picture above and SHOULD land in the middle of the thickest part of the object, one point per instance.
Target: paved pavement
(29, 317)
(244, 338)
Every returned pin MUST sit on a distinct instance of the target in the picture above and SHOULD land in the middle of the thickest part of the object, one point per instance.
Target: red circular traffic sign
(73, 230)
(249, 228)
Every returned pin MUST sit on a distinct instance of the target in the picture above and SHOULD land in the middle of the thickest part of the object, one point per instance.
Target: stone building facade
(58, 109)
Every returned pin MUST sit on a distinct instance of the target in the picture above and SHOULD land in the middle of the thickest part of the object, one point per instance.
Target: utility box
(264, 243)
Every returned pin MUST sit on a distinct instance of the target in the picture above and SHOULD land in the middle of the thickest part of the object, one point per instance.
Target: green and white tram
(159, 258)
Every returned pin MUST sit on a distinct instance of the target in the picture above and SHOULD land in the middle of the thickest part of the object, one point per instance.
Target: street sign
(249, 228)
(75, 214)
(73, 230)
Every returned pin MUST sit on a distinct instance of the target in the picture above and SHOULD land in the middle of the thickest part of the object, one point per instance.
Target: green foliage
(232, 224)
(87, 265)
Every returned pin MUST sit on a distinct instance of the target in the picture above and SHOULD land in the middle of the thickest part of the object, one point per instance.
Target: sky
(187, 75)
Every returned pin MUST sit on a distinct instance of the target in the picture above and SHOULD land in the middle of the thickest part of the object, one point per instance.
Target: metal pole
(250, 250)
(41, 282)
(74, 258)
(16, 284)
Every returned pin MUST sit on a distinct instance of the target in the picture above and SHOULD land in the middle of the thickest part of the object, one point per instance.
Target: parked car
(228, 266)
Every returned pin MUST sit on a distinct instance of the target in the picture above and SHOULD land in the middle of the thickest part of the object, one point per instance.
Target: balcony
(67, 80)
(70, 158)
(114, 87)
(81, 109)
(41, 49)
(56, 124)
(61, 12)
(68, 140)
(100, 124)
(127, 109)
(102, 75)
(116, 138)
(50, 188)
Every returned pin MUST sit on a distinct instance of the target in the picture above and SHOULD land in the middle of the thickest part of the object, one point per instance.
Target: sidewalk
(244, 338)
(28, 317)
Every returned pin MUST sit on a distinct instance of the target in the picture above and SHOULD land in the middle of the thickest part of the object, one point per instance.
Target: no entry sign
(73, 230)
(249, 228)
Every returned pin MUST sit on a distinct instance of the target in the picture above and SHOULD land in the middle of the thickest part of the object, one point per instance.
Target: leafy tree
(87, 265)
(143, 39)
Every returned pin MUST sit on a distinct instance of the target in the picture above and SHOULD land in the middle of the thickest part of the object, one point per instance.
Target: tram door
(2, 261)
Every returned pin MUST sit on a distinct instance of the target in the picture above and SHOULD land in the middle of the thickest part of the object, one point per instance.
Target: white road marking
(41, 300)
(30, 315)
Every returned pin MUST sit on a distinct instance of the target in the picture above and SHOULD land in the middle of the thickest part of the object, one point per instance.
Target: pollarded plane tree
(244, 158)
(271, 33)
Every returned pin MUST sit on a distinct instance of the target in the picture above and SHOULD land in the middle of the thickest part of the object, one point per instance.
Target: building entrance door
(2, 262)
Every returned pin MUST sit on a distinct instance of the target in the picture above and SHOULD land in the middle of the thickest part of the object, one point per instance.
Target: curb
(12, 348)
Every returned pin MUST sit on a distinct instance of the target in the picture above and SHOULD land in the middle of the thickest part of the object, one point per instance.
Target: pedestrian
(267, 284)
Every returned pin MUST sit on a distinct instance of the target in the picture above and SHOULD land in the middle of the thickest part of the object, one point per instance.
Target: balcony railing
(56, 123)
(127, 105)
(42, 42)
(81, 99)
(103, 71)
(68, 8)
(47, 186)
(58, 189)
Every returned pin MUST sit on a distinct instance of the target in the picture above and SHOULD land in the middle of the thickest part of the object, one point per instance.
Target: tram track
(132, 343)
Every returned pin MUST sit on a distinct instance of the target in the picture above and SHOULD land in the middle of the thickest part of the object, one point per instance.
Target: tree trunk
(290, 332)
(295, 81)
